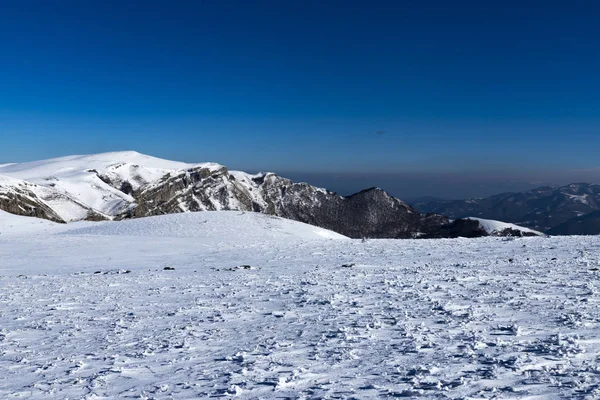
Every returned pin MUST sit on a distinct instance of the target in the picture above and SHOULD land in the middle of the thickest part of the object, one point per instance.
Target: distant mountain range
(131, 185)
(567, 210)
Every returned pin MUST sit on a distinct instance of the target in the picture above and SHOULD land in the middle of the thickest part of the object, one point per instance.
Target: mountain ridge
(542, 208)
(123, 185)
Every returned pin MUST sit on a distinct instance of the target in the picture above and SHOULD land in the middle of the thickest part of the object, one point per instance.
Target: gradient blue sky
(487, 91)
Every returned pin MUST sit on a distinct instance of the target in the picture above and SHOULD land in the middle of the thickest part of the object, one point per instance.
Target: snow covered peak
(97, 183)
(43, 169)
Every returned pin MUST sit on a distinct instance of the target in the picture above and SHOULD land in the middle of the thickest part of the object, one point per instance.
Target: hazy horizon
(416, 184)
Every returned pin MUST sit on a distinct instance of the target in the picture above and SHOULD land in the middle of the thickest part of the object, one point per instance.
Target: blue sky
(467, 88)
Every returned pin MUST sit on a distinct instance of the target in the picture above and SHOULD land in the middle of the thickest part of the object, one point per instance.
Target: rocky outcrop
(18, 199)
(472, 228)
(370, 213)
(459, 228)
(195, 189)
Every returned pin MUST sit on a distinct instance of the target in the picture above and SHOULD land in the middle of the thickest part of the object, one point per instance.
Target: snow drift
(216, 225)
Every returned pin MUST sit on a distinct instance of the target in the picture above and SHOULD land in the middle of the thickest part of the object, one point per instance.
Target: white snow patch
(212, 225)
(578, 198)
(11, 224)
(493, 227)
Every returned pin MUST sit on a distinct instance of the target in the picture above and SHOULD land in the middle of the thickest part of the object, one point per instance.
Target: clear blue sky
(330, 87)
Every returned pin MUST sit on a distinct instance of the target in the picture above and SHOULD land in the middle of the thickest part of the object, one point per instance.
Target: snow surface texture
(88, 311)
(211, 226)
(496, 227)
(16, 225)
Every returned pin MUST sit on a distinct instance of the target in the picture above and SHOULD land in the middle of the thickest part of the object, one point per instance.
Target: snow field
(91, 313)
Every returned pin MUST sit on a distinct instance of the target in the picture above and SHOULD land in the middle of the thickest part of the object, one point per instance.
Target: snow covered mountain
(128, 184)
(587, 224)
(23, 198)
(123, 185)
(88, 187)
(541, 209)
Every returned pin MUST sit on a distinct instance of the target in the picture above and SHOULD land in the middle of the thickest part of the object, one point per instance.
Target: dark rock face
(541, 209)
(126, 188)
(466, 228)
(196, 189)
(514, 232)
(94, 216)
(371, 213)
(470, 228)
(21, 201)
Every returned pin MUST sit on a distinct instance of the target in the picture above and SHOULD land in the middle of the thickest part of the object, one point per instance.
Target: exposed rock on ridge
(370, 213)
(19, 199)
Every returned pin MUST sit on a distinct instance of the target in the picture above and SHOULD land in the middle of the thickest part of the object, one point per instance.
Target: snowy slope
(58, 205)
(11, 224)
(495, 228)
(7, 182)
(153, 168)
(232, 226)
